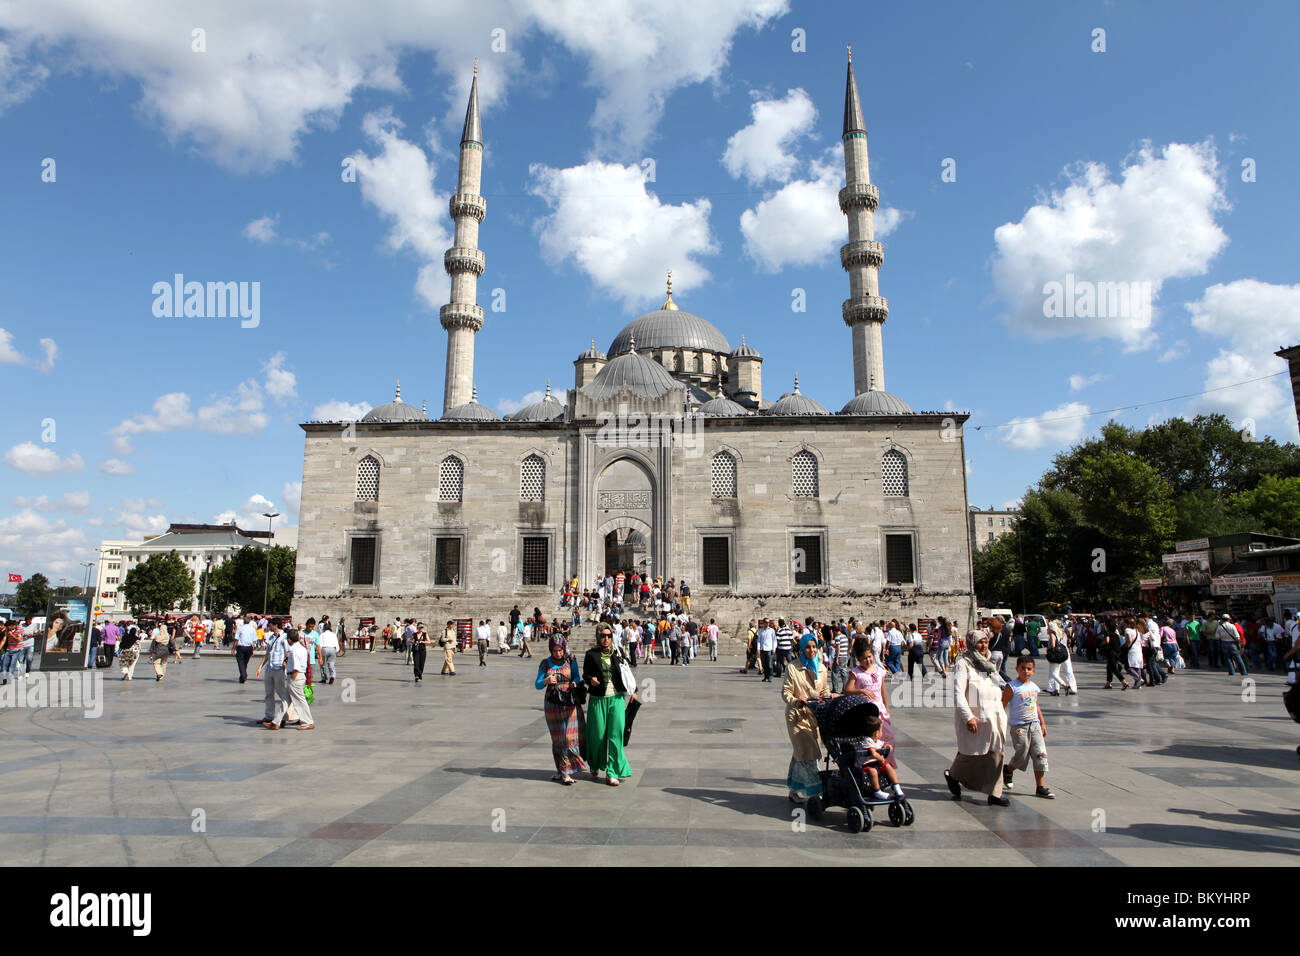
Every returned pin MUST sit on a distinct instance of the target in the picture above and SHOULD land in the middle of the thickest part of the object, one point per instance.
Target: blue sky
(224, 164)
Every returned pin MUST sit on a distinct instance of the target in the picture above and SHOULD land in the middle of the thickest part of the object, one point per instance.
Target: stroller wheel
(908, 816)
(858, 820)
(896, 814)
(814, 808)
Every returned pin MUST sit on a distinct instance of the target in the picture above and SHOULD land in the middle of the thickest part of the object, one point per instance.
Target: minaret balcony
(460, 259)
(461, 315)
(862, 252)
(467, 204)
(859, 196)
(867, 308)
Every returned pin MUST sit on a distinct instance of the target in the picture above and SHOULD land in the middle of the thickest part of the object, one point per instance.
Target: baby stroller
(842, 723)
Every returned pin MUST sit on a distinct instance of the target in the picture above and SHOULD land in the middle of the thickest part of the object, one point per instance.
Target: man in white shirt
(484, 636)
(766, 647)
(245, 642)
(877, 642)
(327, 647)
(503, 637)
(617, 630)
(1273, 633)
(296, 665)
(713, 639)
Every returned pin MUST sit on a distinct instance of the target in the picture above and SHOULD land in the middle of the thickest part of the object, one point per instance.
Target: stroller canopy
(845, 716)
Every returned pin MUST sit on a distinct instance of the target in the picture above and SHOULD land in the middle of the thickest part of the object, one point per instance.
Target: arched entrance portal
(625, 519)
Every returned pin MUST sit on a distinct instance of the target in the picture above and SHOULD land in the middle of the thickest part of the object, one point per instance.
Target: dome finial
(796, 383)
(548, 381)
(476, 61)
(669, 304)
(473, 395)
(398, 397)
(424, 407)
(742, 338)
(631, 343)
(850, 55)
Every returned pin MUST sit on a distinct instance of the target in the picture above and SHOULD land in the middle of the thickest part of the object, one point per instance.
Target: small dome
(593, 353)
(793, 403)
(396, 411)
(549, 409)
(745, 351)
(722, 407)
(633, 373)
(471, 411)
(876, 402)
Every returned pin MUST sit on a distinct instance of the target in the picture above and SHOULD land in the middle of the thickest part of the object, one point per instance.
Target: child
(868, 679)
(1028, 732)
(873, 768)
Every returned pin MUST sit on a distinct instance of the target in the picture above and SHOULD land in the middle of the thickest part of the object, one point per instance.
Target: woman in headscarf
(558, 676)
(607, 708)
(805, 678)
(980, 722)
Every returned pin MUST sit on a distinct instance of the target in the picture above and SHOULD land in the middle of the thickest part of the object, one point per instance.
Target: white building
(110, 577)
(200, 546)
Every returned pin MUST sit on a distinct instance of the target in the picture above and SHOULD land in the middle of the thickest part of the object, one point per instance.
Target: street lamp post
(270, 517)
(87, 565)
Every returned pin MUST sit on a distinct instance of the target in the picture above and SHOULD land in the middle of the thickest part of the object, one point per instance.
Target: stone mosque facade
(665, 456)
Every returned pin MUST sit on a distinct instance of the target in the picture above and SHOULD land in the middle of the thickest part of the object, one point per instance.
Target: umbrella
(632, 707)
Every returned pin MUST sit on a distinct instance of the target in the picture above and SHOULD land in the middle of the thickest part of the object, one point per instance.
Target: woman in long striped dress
(558, 676)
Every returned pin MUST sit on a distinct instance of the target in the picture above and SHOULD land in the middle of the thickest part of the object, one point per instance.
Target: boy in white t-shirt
(1028, 733)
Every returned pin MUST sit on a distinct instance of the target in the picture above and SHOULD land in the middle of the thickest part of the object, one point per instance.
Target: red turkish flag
(15, 578)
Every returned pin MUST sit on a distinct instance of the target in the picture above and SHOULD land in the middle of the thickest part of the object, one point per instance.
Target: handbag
(309, 694)
(1057, 654)
(625, 674)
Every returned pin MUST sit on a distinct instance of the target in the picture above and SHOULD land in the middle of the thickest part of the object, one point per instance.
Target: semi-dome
(396, 411)
(549, 409)
(744, 350)
(722, 407)
(876, 402)
(633, 373)
(793, 403)
(471, 411)
(670, 328)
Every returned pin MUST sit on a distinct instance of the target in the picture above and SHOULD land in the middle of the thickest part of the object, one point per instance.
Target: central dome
(670, 329)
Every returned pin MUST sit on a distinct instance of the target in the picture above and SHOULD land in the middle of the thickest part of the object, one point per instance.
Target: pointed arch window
(532, 479)
(451, 479)
(722, 475)
(804, 475)
(368, 479)
(893, 474)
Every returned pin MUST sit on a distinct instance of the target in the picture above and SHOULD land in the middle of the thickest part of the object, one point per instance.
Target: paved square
(457, 771)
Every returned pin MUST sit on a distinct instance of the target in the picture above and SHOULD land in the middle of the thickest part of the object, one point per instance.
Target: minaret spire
(865, 310)
(462, 317)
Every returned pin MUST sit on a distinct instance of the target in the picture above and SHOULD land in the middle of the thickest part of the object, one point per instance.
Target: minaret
(462, 317)
(864, 310)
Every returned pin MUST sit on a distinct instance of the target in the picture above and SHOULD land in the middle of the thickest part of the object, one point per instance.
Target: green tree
(33, 595)
(997, 572)
(158, 584)
(241, 580)
(1271, 507)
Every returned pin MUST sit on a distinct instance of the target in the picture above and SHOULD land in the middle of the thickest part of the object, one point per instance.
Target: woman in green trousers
(606, 707)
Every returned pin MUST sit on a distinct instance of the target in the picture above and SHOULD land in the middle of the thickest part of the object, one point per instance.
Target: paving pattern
(457, 771)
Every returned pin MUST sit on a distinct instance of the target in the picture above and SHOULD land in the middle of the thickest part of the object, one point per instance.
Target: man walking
(277, 690)
(298, 659)
(1230, 644)
(840, 662)
(484, 635)
(245, 641)
(766, 648)
(784, 644)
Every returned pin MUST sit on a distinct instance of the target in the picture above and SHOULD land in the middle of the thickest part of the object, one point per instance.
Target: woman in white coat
(980, 722)
(1062, 674)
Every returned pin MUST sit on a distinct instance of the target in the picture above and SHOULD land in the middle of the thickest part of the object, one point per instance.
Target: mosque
(664, 456)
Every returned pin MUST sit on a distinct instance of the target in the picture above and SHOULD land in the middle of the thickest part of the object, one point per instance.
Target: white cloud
(1062, 425)
(41, 461)
(169, 411)
(262, 230)
(29, 540)
(116, 466)
(801, 223)
(604, 220)
(1080, 382)
(270, 76)
(249, 515)
(1256, 318)
(76, 501)
(398, 181)
(970, 466)
(1104, 231)
(134, 518)
(10, 355)
(508, 406)
(121, 445)
(292, 495)
(237, 414)
(1014, 504)
(1175, 351)
(760, 151)
(337, 410)
(280, 384)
